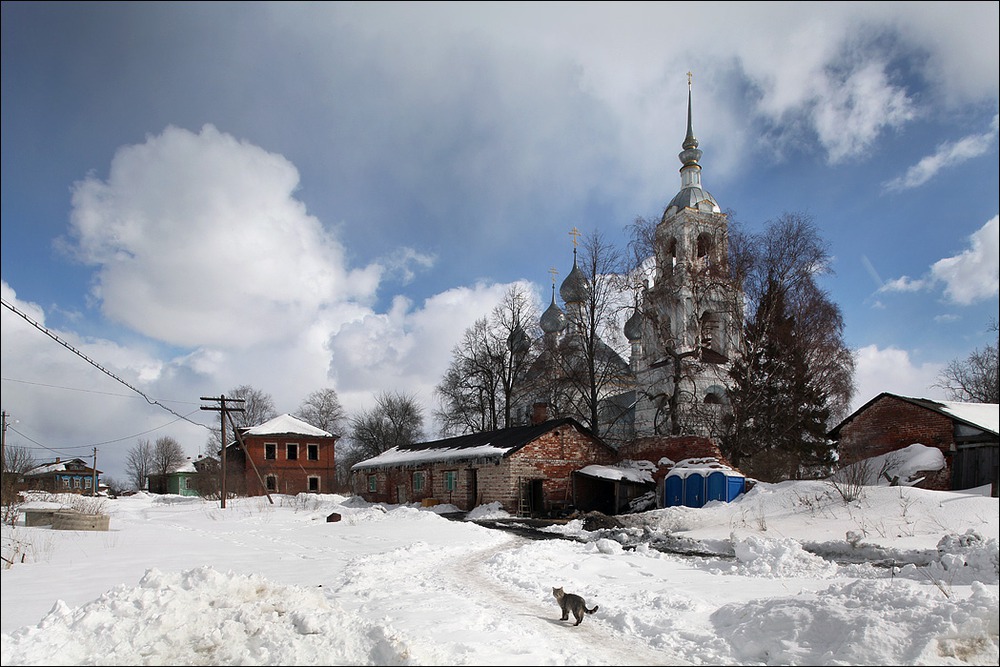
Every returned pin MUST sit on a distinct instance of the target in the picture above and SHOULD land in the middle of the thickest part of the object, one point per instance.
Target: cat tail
(591, 611)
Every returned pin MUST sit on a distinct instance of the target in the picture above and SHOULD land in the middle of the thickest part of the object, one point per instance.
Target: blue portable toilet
(694, 490)
(673, 491)
(724, 485)
(694, 482)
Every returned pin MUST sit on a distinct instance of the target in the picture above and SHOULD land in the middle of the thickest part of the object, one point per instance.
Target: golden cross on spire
(575, 234)
(690, 75)
(554, 273)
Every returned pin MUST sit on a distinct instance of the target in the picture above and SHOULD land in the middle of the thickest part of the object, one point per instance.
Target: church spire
(690, 169)
(691, 194)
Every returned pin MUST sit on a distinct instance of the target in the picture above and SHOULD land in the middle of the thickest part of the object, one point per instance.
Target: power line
(86, 391)
(93, 363)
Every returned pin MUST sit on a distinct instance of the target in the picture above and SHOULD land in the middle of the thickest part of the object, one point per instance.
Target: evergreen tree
(779, 410)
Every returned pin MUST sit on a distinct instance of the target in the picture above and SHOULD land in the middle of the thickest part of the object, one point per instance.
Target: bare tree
(17, 460)
(975, 379)
(323, 410)
(139, 464)
(482, 384)
(167, 455)
(396, 419)
(258, 407)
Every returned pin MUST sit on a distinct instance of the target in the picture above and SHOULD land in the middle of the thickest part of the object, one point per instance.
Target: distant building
(188, 479)
(69, 476)
(283, 455)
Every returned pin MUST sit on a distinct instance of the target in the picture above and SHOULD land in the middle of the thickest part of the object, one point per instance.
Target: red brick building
(527, 469)
(283, 455)
(966, 433)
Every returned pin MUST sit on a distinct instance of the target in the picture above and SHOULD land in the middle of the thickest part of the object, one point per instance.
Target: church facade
(682, 332)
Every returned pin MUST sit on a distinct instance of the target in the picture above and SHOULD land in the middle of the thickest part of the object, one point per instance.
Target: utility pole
(93, 488)
(223, 410)
(3, 454)
(3, 445)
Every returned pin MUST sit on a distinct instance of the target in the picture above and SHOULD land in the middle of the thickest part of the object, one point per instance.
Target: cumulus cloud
(967, 277)
(948, 154)
(198, 239)
(891, 369)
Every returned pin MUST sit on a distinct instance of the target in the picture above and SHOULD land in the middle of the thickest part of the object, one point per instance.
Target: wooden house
(188, 478)
(282, 455)
(527, 469)
(69, 476)
(966, 434)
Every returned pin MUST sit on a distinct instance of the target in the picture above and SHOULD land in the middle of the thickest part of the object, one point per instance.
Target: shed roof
(473, 446)
(983, 416)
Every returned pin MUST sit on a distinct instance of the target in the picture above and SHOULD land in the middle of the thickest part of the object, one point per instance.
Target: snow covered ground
(789, 573)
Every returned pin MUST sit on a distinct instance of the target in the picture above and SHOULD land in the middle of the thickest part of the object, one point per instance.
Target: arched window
(706, 245)
(711, 398)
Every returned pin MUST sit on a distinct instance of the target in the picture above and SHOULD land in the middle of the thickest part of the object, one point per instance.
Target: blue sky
(297, 196)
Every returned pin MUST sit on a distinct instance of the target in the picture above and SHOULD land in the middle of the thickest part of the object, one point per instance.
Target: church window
(705, 245)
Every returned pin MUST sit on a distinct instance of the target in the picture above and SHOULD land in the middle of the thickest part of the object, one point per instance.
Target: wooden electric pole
(223, 411)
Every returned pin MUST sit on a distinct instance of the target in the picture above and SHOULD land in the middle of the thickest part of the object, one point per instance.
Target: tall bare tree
(481, 386)
(139, 464)
(322, 409)
(397, 419)
(17, 460)
(975, 379)
(167, 456)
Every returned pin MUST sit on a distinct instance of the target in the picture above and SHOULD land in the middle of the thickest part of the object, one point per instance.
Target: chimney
(540, 413)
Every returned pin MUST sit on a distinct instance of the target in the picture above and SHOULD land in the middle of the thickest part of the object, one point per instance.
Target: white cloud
(974, 274)
(971, 276)
(199, 240)
(948, 154)
(892, 370)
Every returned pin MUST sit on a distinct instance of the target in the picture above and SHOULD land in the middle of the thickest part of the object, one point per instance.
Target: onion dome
(518, 341)
(633, 326)
(576, 287)
(553, 320)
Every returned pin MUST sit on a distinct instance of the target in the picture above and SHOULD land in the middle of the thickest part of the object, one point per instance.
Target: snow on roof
(400, 456)
(984, 415)
(640, 472)
(702, 466)
(286, 423)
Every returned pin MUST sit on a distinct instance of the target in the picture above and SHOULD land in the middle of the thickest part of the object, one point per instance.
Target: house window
(312, 452)
(271, 482)
(372, 483)
(65, 481)
(292, 451)
(418, 481)
(87, 482)
(76, 482)
(270, 450)
(314, 484)
(187, 483)
(450, 480)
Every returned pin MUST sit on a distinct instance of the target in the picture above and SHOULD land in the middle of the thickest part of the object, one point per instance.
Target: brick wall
(291, 475)
(889, 424)
(551, 457)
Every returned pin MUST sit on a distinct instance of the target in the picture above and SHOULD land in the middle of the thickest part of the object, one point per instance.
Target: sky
(299, 196)
(786, 574)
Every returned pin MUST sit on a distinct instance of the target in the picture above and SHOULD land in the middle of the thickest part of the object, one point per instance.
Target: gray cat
(569, 602)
